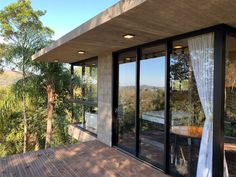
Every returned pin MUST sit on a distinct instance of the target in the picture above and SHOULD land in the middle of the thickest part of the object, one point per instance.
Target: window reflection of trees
(184, 92)
(84, 98)
(127, 109)
(184, 101)
(230, 106)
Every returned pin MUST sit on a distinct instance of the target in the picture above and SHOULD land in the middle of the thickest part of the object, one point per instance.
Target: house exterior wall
(79, 134)
(104, 123)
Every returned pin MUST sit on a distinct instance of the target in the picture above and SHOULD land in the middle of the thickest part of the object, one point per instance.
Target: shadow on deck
(90, 159)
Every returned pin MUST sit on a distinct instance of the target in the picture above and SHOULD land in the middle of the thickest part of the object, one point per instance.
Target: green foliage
(11, 122)
(11, 129)
(88, 82)
(25, 34)
(184, 94)
(179, 66)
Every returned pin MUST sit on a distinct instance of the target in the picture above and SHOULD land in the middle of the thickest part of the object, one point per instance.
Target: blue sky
(152, 73)
(65, 15)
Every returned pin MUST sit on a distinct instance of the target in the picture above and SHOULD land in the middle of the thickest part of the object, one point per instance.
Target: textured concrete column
(104, 126)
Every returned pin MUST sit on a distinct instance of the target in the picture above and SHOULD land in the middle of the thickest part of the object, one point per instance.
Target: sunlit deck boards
(90, 159)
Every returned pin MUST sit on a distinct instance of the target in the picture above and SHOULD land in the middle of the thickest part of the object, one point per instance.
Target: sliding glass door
(147, 127)
(152, 105)
(127, 101)
(174, 103)
(140, 103)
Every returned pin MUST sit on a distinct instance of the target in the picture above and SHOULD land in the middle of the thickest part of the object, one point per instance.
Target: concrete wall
(79, 134)
(104, 127)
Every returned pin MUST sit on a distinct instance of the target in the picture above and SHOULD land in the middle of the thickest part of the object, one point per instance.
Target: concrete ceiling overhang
(149, 20)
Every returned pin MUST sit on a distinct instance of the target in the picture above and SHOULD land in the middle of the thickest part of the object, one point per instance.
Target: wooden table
(187, 131)
(229, 146)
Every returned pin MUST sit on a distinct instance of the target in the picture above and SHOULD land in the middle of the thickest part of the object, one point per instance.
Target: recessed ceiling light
(56, 61)
(128, 58)
(81, 52)
(128, 36)
(178, 47)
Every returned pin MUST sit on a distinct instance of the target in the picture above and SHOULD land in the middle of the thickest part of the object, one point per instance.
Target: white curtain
(202, 57)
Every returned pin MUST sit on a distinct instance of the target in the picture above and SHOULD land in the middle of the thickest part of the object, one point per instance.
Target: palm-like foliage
(24, 34)
(43, 91)
(10, 134)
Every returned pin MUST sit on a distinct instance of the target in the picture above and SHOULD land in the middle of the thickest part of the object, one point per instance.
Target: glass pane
(77, 82)
(78, 112)
(90, 118)
(93, 80)
(127, 100)
(152, 104)
(230, 106)
(87, 83)
(187, 117)
(84, 85)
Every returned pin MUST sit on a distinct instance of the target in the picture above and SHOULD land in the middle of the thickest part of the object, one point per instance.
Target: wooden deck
(90, 159)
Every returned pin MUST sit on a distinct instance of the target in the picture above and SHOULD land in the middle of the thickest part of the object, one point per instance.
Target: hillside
(7, 78)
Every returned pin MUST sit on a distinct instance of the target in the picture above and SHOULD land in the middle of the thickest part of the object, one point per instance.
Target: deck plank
(20, 164)
(14, 171)
(105, 170)
(37, 165)
(3, 167)
(46, 165)
(90, 159)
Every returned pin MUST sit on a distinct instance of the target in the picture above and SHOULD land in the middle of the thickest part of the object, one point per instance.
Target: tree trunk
(37, 145)
(50, 93)
(24, 113)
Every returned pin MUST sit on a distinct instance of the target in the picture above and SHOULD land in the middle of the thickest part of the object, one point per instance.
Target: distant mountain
(7, 78)
(143, 87)
(150, 87)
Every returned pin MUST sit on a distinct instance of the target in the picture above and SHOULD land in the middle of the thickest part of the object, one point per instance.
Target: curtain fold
(201, 50)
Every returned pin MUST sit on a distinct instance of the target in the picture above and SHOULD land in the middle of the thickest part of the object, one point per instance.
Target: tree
(55, 80)
(24, 34)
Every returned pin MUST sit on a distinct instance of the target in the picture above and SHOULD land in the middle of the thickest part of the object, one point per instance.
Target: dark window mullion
(90, 86)
(72, 91)
(137, 122)
(218, 102)
(83, 92)
(167, 106)
(115, 90)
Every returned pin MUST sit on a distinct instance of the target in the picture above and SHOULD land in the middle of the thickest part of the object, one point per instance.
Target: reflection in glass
(186, 113)
(90, 83)
(126, 101)
(77, 82)
(78, 113)
(230, 106)
(152, 104)
(84, 84)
